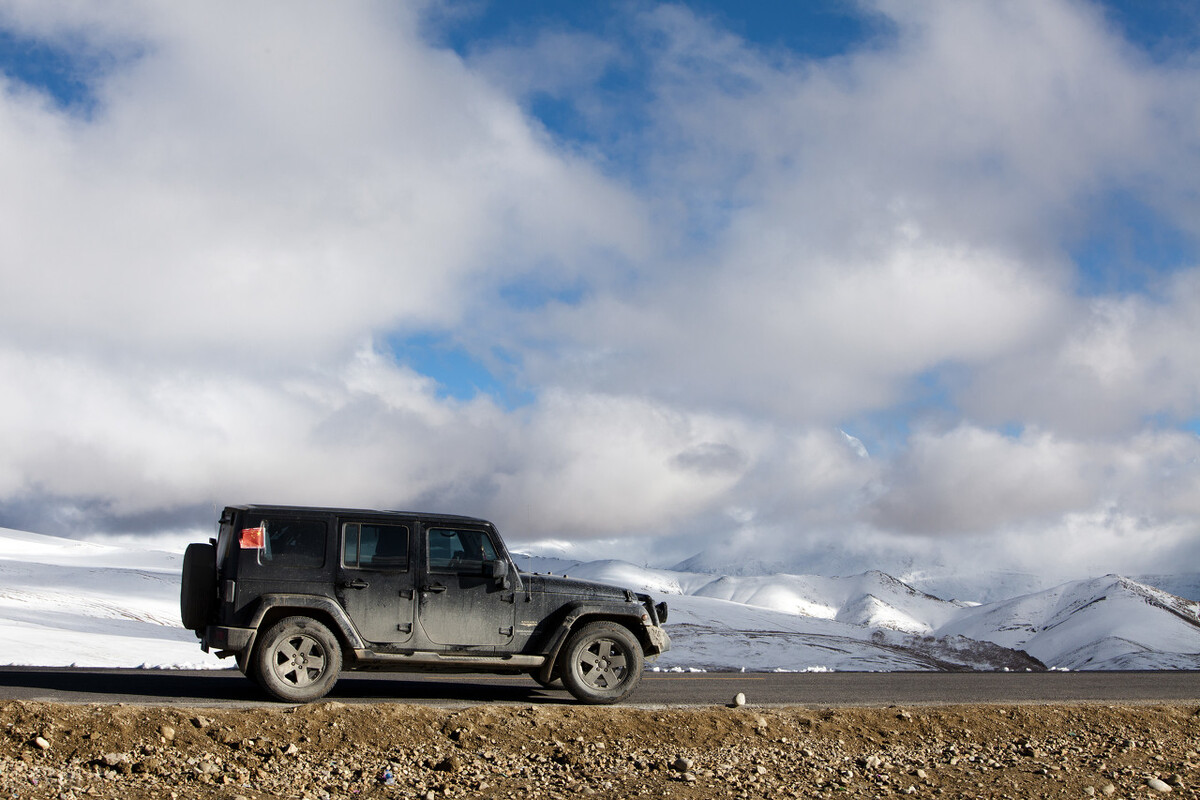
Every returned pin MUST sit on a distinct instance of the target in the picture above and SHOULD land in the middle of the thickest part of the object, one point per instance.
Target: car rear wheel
(601, 663)
(297, 660)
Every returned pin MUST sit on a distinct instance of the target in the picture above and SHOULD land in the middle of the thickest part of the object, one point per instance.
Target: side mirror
(497, 570)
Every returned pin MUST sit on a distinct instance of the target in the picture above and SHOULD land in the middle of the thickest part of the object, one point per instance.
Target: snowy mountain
(872, 599)
(1102, 623)
(873, 621)
(68, 602)
(933, 577)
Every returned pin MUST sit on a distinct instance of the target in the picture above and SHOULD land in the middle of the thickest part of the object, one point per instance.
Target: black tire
(601, 663)
(297, 660)
(198, 589)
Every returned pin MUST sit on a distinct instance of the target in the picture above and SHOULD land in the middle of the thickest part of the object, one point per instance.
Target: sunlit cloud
(931, 296)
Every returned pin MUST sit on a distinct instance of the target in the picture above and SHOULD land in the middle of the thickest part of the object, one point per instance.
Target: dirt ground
(331, 750)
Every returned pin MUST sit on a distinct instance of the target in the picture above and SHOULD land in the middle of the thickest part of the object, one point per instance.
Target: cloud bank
(213, 269)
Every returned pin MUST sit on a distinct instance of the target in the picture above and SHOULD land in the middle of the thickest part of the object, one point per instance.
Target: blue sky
(628, 275)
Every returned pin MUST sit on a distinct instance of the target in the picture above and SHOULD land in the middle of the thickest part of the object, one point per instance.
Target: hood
(553, 584)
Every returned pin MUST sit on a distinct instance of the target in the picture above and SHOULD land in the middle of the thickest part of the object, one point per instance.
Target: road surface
(229, 688)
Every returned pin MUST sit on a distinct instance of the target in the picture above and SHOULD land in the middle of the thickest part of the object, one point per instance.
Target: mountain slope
(714, 634)
(1101, 623)
(872, 599)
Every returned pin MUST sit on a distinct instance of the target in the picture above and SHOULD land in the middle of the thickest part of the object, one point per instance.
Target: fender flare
(345, 629)
(581, 611)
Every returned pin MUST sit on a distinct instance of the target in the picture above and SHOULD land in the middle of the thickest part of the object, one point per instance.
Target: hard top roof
(275, 509)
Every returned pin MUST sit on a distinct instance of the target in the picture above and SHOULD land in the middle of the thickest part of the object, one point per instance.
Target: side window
(459, 550)
(366, 545)
(295, 543)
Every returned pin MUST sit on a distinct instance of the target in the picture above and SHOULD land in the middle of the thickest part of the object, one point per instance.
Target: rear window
(370, 546)
(291, 543)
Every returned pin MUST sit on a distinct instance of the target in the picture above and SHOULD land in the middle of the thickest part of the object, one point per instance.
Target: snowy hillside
(1103, 623)
(712, 634)
(795, 622)
(67, 602)
(872, 599)
(873, 621)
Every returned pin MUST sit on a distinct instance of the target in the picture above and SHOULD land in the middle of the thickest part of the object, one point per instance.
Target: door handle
(357, 583)
(435, 587)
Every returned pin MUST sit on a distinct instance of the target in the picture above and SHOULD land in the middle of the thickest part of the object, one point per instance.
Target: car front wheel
(297, 660)
(601, 663)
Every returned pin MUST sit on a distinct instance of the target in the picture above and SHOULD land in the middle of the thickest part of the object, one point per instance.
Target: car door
(461, 604)
(375, 579)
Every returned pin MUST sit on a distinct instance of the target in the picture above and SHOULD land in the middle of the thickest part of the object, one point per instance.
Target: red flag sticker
(252, 538)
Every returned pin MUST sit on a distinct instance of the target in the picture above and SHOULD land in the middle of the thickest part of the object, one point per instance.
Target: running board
(446, 659)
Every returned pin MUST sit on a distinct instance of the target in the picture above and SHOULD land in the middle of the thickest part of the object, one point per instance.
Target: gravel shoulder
(332, 750)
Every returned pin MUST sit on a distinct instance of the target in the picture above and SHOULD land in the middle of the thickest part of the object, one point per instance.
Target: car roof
(315, 510)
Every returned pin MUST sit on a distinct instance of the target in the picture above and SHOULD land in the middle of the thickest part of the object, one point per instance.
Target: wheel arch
(274, 607)
(580, 614)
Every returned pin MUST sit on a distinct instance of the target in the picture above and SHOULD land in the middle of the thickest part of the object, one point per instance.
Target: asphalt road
(228, 688)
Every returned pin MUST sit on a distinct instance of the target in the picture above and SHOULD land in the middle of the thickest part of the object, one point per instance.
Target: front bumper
(660, 642)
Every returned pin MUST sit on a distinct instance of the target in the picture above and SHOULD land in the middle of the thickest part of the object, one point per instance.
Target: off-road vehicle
(298, 594)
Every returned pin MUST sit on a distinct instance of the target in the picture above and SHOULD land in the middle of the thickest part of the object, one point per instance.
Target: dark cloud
(711, 457)
(86, 517)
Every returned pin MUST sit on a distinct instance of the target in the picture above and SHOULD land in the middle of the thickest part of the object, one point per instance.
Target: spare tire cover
(198, 591)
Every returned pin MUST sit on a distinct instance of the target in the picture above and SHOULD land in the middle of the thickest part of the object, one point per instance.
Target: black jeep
(298, 594)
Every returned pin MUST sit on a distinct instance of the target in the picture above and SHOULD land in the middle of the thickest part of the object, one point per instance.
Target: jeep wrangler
(298, 594)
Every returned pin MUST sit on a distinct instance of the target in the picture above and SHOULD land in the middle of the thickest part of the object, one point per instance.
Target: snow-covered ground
(66, 602)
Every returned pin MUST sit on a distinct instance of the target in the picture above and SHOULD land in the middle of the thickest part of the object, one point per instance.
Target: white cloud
(1116, 363)
(872, 217)
(201, 275)
(282, 186)
(804, 338)
(1047, 504)
(556, 62)
(970, 480)
(597, 464)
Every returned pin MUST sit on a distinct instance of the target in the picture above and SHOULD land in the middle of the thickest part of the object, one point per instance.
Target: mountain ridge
(1060, 625)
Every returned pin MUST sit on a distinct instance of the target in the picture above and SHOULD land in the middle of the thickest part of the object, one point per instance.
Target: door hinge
(407, 594)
